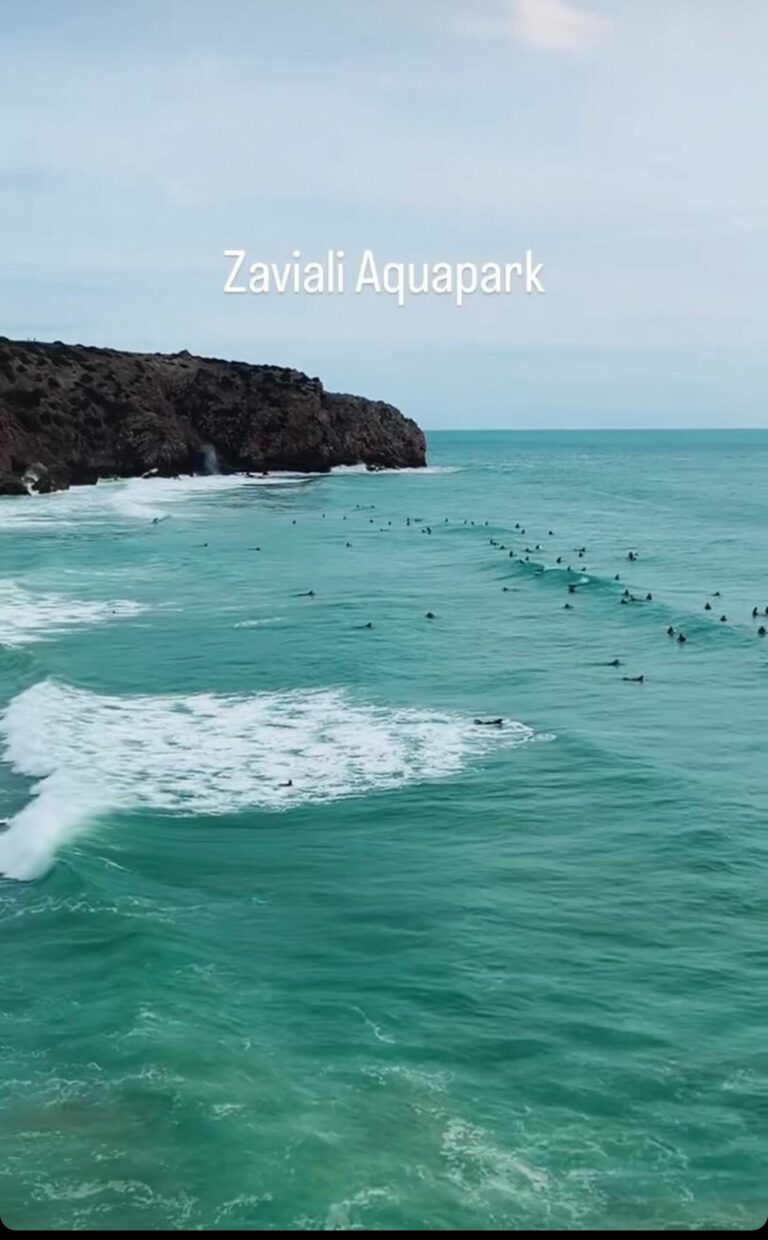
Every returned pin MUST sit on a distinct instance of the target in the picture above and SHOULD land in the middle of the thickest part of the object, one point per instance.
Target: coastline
(70, 414)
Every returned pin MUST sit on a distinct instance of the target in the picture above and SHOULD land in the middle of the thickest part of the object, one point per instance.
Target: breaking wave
(209, 754)
(28, 617)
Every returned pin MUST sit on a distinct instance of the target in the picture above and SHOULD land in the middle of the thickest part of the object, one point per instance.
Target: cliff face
(84, 413)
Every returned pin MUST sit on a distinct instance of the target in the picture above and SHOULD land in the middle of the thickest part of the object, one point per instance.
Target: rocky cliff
(71, 414)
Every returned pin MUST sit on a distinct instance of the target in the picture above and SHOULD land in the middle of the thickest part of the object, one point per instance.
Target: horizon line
(621, 430)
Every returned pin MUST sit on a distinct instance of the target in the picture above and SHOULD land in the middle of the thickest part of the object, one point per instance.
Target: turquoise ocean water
(448, 976)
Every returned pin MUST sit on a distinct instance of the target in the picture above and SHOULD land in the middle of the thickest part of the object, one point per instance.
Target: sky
(622, 141)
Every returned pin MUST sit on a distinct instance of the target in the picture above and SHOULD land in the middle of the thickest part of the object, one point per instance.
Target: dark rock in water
(45, 485)
(84, 413)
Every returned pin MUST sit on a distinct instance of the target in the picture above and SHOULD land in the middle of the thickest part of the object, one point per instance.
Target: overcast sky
(623, 141)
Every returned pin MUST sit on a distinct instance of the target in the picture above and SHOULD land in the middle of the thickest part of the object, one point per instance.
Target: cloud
(547, 25)
(555, 25)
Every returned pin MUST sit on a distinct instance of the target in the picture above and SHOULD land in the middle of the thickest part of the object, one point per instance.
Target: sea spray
(211, 459)
(59, 808)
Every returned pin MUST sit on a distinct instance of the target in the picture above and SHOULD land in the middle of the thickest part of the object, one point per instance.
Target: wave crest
(27, 617)
(209, 754)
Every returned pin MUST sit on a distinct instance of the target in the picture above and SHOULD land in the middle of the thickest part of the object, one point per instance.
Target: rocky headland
(71, 414)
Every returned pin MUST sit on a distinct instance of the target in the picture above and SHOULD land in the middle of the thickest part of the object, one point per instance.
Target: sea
(289, 940)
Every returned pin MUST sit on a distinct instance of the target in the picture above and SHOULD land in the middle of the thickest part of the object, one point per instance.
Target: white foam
(60, 509)
(139, 499)
(257, 624)
(28, 617)
(173, 490)
(209, 754)
(129, 501)
(418, 470)
(148, 499)
(481, 1168)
